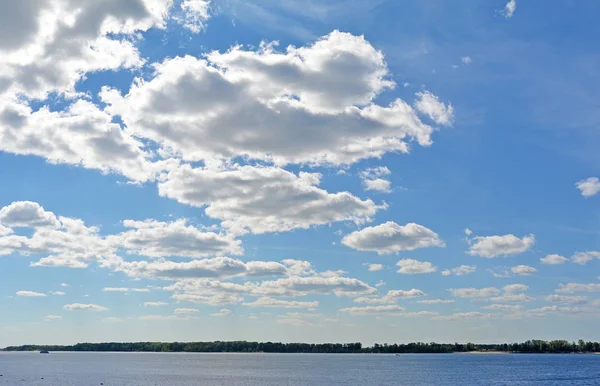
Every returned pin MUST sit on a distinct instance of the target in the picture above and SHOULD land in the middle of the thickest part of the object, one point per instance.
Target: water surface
(142, 369)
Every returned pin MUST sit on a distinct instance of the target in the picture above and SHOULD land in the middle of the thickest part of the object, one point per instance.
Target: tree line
(530, 346)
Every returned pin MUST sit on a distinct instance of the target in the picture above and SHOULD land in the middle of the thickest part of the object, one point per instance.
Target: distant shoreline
(530, 346)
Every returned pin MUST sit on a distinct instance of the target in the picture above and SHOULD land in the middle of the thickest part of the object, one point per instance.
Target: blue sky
(375, 171)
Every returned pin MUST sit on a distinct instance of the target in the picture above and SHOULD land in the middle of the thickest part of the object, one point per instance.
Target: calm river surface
(142, 369)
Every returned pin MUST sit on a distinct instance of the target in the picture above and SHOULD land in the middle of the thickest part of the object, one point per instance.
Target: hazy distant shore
(530, 346)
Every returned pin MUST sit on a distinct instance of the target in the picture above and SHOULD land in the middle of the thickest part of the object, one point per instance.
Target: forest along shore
(530, 346)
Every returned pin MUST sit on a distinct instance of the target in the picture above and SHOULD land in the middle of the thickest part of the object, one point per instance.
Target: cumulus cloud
(523, 270)
(460, 271)
(510, 8)
(430, 105)
(84, 307)
(583, 258)
(567, 299)
(57, 42)
(263, 199)
(495, 246)
(411, 267)
(553, 259)
(474, 292)
(30, 294)
(27, 214)
(154, 304)
(375, 267)
(511, 298)
(372, 179)
(312, 104)
(512, 288)
(276, 303)
(466, 60)
(161, 239)
(218, 267)
(391, 238)
(589, 187)
(436, 301)
(502, 307)
(392, 296)
(222, 312)
(578, 287)
(195, 14)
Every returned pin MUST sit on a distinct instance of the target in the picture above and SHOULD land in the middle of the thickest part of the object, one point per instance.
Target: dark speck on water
(156, 369)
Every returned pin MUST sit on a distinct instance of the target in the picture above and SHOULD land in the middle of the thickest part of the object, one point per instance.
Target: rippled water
(137, 369)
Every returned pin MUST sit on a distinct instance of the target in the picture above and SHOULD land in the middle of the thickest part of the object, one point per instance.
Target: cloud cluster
(391, 238)
(372, 179)
(589, 187)
(499, 246)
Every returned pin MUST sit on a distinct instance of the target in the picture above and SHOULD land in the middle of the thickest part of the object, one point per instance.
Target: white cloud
(27, 214)
(553, 259)
(218, 267)
(506, 245)
(186, 310)
(263, 199)
(589, 187)
(474, 292)
(276, 303)
(84, 307)
(502, 307)
(511, 298)
(430, 105)
(460, 271)
(312, 104)
(380, 283)
(213, 300)
(436, 301)
(57, 293)
(115, 289)
(391, 237)
(160, 239)
(372, 180)
(81, 135)
(373, 310)
(577, 287)
(512, 288)
(468, 232)
(466, 60)
(30, 294)
(59, 41)
(196, 14)
(64, 285)
(411, 266)
(510, 8)
(583, 258)
(49, 318)
(298, 267)
(523, 270)
(154, 304)
(464, 316)
(375, 267)
(222, 312)
(392, 296)
(567, 299)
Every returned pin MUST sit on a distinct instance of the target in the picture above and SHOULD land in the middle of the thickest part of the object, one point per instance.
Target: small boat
(44, 352)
